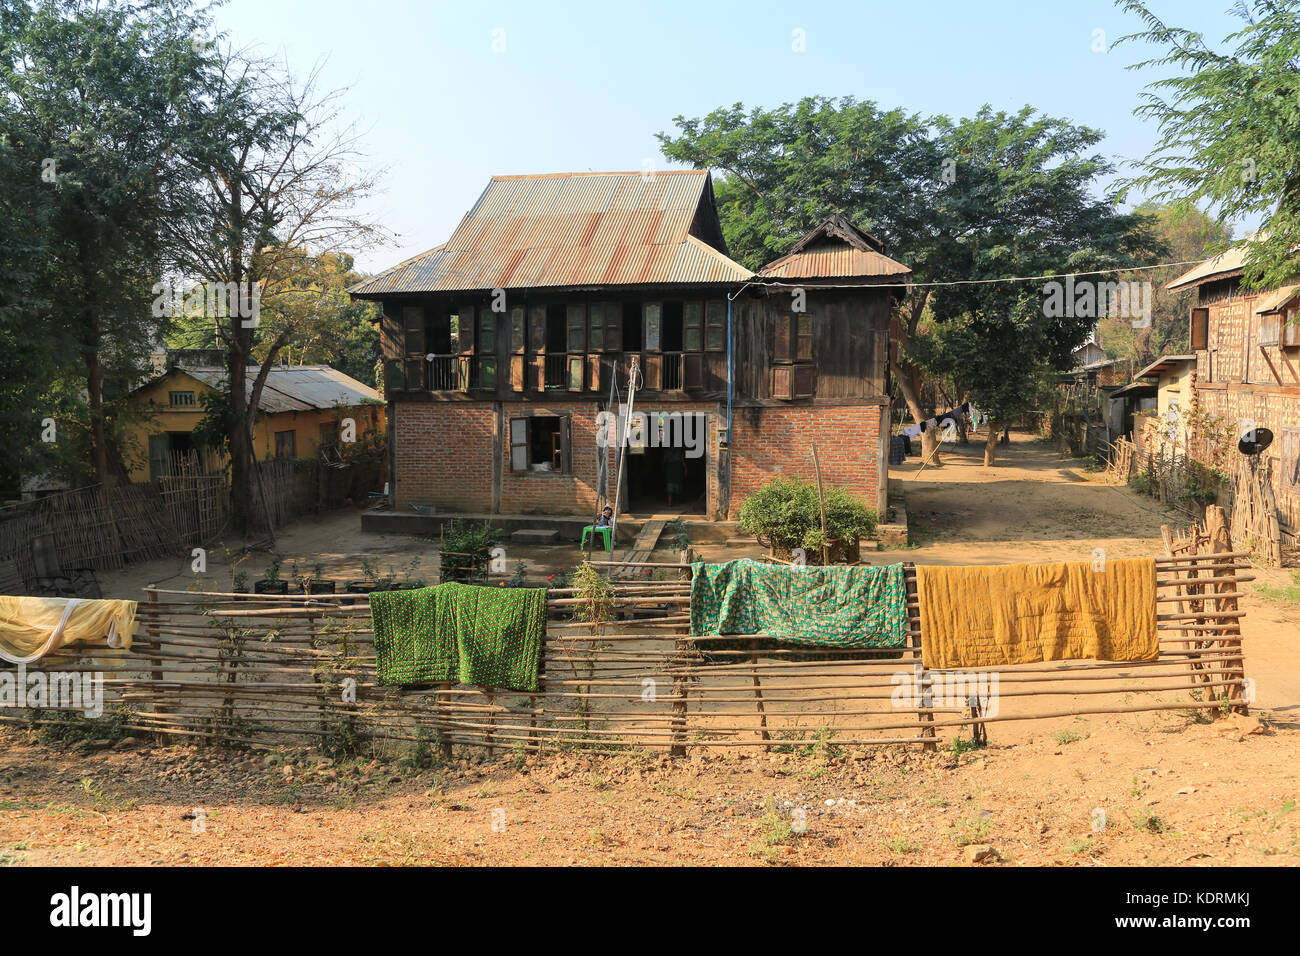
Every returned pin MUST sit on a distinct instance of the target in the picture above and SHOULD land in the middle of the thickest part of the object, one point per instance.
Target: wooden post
(678, 724)
(154, 632)
(758, 698)
(921, 674)
(1229, 632)
(821, 505)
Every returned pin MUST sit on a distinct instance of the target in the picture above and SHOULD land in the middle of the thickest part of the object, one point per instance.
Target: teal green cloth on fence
(464, 633)
(821, 606)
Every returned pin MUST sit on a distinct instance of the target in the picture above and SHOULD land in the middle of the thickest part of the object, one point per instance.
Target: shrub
(467, 550)
(783, 514)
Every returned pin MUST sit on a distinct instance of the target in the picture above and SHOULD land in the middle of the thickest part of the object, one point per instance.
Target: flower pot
(270, 587)
(320, 587)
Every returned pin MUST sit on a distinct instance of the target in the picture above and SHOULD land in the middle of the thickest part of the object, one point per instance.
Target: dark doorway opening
(671, 334)
(632, 327)
(665, 480)
(557, 340)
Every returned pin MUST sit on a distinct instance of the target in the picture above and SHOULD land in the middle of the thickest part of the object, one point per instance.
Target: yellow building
(302, 407)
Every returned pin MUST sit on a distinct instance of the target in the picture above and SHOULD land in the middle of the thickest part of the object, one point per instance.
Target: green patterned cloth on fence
(491, 637)
(821, 606)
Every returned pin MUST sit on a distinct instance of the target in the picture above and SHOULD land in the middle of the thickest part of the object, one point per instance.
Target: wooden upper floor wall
(1237, 346)
(558, 343)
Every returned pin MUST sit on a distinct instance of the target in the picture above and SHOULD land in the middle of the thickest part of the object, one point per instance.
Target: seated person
(606, 518)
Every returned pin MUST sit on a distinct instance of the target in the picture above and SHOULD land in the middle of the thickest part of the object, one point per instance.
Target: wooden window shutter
(517, 373)
(413, 325)
(537, 328)
(783, 382)
(1291, 328)
(1200, 328)
(804, 331)
(518, 326)
(652, 370)
(715, 326)
(613, 327)
(566, 443)
(518, 444)
(593, 373)
(1270, 328)
(539, 373)
(693, 374)
(415, 373)
(463, 370)
(596, 327)
(783, 342)
(463, 327)
(651, 315)
(576, 363)
(577, 325)
(805, 381)
(693, 327)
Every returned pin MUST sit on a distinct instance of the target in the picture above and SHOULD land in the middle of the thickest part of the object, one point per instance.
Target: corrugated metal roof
(294, 388)
(1163, 364)
(835, 249)
(1226, 263)
(568, 229)
(1274, 301)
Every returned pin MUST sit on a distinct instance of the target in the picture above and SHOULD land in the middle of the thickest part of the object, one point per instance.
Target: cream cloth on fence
(31, 627)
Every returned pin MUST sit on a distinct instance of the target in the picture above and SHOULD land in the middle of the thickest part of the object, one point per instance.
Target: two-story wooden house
(1247, 347)
(504, 346)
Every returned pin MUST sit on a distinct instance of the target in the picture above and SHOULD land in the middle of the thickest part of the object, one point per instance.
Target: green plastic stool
(605, 532)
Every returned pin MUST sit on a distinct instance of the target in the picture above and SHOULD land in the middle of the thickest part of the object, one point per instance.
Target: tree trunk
(991, 444)
(95, 400)
(910, 387)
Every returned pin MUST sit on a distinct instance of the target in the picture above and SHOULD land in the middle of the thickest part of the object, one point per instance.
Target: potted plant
(270, 582)
(785, 514)
(317, 583)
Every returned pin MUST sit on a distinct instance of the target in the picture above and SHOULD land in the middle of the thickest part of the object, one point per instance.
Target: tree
(278, 178)
(1228, 127)
(992, 197)
(1189, 235)
(91, 96)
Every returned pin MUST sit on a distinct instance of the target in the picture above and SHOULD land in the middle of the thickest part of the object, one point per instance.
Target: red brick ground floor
(540, 458)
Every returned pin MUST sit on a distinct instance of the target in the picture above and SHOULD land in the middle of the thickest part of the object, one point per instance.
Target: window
(693, 327)
(1200, 329)
(577, 328)
(329, 434)
(518, 330)
(180, 399)
(793, 374)
(539, 443)
(286, 444)
(1270, 328)
(651, 319)
(1291, 328)
(715, 326)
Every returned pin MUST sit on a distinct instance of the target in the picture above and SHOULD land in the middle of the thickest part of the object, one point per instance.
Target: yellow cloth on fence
(1020, 613)
(31, 627)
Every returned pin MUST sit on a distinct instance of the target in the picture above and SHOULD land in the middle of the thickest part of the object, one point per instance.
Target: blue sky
(585, 86)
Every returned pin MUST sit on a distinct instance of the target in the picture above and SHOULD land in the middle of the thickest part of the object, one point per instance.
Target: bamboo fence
(261, 669)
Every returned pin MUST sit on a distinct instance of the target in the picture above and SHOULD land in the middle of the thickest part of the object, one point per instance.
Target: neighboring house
(1247, 348)
(1164, 390)
(503, 346)
(1093, 371)
(301, 408)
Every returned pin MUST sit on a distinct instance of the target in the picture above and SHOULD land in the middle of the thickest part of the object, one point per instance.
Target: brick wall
(442, 454)
(772, 443)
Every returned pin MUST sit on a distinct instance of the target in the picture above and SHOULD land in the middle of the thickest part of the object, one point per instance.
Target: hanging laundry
(1021, 613)
(32, 627)
(832, 606)
(491, 637)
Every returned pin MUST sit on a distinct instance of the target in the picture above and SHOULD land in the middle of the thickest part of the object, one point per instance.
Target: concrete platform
(566, 528)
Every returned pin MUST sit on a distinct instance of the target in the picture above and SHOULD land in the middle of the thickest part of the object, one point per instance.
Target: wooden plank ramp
(641, 551)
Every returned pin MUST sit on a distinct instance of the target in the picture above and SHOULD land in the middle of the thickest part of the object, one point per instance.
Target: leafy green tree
(1190, 236)
(91, 95)
(995, 196)
(1227, 125)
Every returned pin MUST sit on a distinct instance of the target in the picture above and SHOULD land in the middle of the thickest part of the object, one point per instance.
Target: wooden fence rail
(258, 669)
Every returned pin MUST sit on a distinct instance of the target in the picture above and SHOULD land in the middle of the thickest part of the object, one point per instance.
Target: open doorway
(662, 478)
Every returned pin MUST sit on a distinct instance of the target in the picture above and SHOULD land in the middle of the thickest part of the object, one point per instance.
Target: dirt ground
(1160, 788)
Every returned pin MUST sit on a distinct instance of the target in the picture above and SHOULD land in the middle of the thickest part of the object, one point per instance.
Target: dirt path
(1161, 788)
